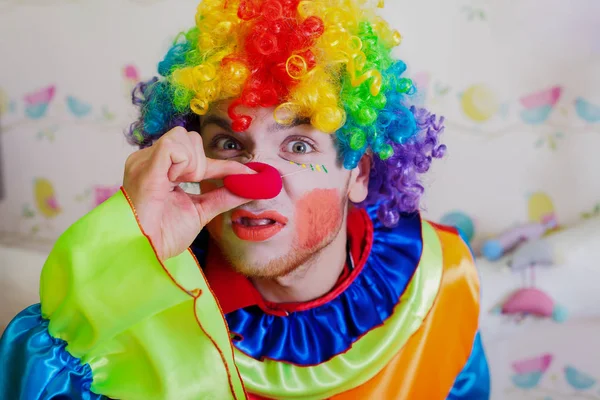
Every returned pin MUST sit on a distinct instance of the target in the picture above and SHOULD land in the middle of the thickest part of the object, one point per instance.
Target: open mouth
(257, 227)
(255, 221)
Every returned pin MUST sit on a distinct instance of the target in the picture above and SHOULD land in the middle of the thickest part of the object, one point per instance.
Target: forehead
(260, 115)
(263, 122)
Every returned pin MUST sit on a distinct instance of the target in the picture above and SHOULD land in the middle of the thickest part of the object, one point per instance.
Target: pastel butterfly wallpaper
(521, 102)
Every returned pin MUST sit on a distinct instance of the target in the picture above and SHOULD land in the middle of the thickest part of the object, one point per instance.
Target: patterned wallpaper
(517, 82)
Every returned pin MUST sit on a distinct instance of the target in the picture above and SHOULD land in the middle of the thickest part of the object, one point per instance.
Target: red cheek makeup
(318, 215)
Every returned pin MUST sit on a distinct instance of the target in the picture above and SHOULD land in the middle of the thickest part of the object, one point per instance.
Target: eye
(227, 144)
(299, 147)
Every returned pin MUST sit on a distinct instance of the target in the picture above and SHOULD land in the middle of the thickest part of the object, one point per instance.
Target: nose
(263, 157)
(267, 157)
(264, 185)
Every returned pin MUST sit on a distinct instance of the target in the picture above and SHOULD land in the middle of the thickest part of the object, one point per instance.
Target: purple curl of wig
(394, 184)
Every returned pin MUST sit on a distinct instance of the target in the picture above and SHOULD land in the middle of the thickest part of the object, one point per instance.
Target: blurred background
(518, 83)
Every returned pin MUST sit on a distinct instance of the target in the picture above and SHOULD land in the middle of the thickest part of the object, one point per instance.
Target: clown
(303, 270)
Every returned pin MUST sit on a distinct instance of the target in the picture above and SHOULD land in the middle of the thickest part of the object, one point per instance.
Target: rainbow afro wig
(329, 61)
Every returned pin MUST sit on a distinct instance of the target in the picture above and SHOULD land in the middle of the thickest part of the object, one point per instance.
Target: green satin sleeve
(148, 330)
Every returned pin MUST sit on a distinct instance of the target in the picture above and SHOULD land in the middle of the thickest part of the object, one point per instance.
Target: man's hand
(171, 217)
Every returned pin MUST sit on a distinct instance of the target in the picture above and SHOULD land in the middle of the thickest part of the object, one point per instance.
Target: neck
(312, 279)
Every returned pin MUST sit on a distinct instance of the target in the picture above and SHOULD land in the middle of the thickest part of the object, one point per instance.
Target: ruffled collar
(224, 280)
(314, 332)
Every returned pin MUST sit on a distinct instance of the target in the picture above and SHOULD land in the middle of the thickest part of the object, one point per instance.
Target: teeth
(256, 222)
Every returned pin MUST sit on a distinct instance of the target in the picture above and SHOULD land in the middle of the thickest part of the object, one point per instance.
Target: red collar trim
(234, 291)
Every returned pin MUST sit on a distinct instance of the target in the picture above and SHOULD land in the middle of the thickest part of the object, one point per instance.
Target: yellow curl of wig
(301, 57)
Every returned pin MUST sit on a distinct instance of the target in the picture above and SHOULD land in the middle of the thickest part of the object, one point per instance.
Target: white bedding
(572, 346)
(573, 283)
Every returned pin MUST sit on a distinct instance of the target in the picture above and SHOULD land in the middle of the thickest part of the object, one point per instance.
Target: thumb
(215, 202)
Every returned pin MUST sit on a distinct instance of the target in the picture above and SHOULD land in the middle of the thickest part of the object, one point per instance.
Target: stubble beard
(280, 266)
(283, 265)
(286, 264)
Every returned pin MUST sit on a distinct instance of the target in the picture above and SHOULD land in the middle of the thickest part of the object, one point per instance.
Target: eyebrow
(276, 127)
(226, 125)
(216, 120)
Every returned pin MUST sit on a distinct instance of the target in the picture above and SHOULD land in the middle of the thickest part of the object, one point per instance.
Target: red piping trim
(445, 228)
(277, 309)
(137, 219)
(218, 349)
(262, 359)
(223, 318)
(186, 292)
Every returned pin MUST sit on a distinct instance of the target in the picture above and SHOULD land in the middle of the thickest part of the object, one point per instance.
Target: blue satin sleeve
(473, 383)
(35, 366)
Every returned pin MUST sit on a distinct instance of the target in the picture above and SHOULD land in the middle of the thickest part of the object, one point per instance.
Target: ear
(358, 188)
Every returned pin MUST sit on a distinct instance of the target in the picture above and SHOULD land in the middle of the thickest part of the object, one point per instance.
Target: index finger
(218, 169)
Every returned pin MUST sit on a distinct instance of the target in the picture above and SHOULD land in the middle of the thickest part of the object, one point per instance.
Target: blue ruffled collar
(318, 333)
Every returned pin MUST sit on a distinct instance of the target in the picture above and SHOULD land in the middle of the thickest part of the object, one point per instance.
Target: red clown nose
(264, 185)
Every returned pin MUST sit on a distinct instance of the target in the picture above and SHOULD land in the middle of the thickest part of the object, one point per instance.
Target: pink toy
(529, 301)
(532, 301)
(495, 248)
